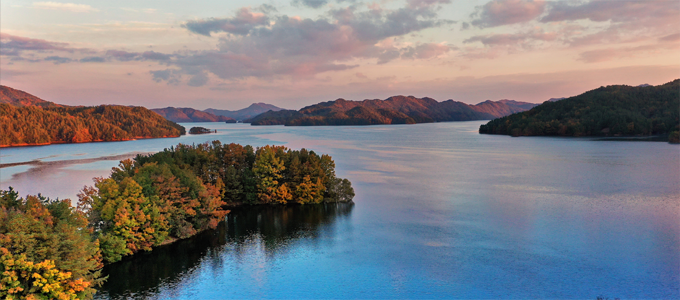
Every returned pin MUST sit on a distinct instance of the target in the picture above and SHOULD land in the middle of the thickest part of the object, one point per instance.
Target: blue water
(440, 212)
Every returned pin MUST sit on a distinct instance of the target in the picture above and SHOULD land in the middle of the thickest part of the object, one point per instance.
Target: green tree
(267, 170)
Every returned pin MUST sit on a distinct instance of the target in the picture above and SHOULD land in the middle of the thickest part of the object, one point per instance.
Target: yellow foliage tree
(23, 279)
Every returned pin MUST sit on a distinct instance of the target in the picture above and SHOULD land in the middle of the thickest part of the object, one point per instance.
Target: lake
(440, 212)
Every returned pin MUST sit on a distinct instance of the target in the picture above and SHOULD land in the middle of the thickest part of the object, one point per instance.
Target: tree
(50, 239)
(23, 279)
(267, 170)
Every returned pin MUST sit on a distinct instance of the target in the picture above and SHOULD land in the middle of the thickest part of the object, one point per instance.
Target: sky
(294, 53)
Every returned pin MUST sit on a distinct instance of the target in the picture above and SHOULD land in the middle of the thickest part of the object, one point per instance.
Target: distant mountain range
(28, 120)
(393, 110)
(246, 113)
(616, 110)
(182, 115)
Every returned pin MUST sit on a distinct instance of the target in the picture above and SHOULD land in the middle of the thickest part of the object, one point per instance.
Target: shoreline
(625, 138)
(40, 163)
(93, 141)
(234, 206)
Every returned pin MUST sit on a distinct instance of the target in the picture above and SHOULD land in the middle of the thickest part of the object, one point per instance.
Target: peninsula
(611, 111)
(26, 120)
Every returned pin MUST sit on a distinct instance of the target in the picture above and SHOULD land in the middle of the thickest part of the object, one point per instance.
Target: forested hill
(393, 110)
(33, 121)
(617, 110)
(20, 98)
(190, 115)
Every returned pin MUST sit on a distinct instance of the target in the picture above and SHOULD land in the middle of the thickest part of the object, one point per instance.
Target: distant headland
(611, 111)
(26, 120)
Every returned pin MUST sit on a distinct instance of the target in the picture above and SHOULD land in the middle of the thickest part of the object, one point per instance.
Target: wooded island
(146, 202)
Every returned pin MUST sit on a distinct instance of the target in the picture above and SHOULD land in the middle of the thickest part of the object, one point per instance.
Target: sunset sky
(292, 53)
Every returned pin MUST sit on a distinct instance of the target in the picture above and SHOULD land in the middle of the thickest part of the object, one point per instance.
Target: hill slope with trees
(393, 110)
(616, 110)
(16, 97)
(190, 115)
(41, 123)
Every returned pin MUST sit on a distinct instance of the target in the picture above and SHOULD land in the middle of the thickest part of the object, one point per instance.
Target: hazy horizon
(294, 53)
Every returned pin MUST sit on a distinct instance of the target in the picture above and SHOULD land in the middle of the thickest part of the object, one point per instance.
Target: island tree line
(50, 249)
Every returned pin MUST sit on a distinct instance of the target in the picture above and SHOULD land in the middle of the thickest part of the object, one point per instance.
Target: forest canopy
(34, 125)
(616, 110)
(148, 201)
(46, 250)
(178, 192)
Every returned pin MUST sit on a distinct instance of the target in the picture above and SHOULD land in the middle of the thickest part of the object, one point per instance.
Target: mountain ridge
(245, 113)
(186, 114)
(393, 110)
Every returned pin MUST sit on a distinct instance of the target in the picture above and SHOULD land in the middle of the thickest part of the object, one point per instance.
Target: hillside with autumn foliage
(28, 120)
(393, 110)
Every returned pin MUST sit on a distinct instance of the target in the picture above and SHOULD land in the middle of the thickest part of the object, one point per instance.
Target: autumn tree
(50, 239)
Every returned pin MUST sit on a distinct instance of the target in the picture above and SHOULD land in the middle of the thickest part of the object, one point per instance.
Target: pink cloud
(294, 46)
(13, 45)
(499, 12)
(512, 38)
(616, 11)
(595, 56)
(425, 51)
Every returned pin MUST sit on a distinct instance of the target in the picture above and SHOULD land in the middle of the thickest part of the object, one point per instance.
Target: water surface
(440, 212)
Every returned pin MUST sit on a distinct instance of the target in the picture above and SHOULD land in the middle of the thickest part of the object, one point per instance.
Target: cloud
(425, 51)
(13, 45)
(616, 11)
(266, 9)
(627, 21)
(153, 55)
(121, 55)
(72, 7)
(58, 59)
(595, 56)
(425, 3)
(170, 76)
(316, 3)
(199, 79)
(499, 12)
(97, 59)
(310, 3)
(671, 38)
(146, 10)
(509, 39)
(267, 46)
(240, 24)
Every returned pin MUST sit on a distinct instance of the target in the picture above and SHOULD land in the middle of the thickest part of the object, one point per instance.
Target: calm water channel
(440, 212)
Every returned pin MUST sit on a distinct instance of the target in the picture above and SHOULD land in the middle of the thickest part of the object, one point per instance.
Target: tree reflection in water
(272, 227)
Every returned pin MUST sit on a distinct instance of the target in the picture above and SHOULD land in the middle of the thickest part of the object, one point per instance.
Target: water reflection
(271, 228)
